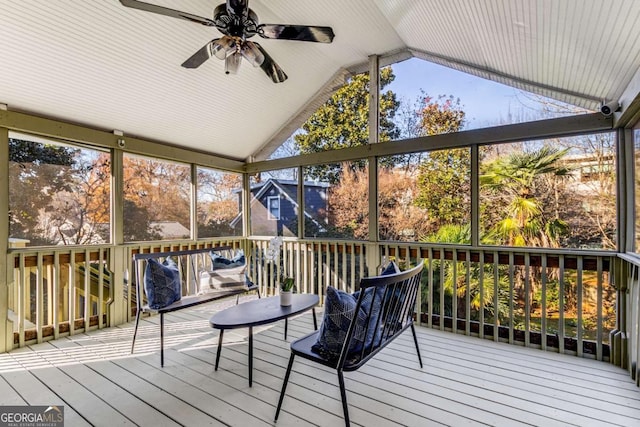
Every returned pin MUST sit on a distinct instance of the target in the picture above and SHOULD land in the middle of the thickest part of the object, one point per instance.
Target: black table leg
(315, 321)
(219, 348)
(250, 356)
(286, 324)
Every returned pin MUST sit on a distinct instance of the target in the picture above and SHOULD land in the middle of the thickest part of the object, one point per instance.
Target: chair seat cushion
(162, 283)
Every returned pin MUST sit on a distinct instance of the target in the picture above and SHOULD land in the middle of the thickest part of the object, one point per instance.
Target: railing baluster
(430, 284)
(481, 292)
(599, 302)
(39, 320)
(71, 290)
(319, 264)
(307, 274)
(511, 288)
(101, 299)
(467, 280)
(527, 300)
(55, 299)
(343, 276)
(441, 310)
(454, 302)
(363, 257)
(418, 306)
(336, 268)
(298, 268)
(543, 292)
(327, 266)
(496, 302)
(87, 289)
(580, 293)
(561, 298)
(22, 282)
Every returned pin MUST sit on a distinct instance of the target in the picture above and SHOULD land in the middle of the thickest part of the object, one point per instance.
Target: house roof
(286, 188)
(170, 229)
(110, 67)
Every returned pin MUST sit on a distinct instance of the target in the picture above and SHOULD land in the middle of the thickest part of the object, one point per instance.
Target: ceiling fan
(238, 23)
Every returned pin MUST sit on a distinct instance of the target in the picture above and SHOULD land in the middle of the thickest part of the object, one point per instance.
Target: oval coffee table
(260, 312)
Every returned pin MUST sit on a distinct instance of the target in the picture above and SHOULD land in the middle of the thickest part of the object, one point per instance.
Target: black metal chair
(389, 303)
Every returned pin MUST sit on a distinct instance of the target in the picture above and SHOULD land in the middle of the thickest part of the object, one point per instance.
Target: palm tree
(515, 180)
(455, 279)
(520, 182)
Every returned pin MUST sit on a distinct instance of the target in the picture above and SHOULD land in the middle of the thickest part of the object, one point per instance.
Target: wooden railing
(150, 247)
(55, 292)
(554, 300)
(58, 291)
(504, 294)
(627, 336)
(314, 265)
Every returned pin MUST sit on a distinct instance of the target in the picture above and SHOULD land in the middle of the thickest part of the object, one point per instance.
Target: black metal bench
(389, 302)
(191, 263)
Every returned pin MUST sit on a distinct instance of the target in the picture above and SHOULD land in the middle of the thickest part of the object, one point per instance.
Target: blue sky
(484, 101)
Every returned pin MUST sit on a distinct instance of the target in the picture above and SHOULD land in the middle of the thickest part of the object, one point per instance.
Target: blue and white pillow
(390, 268)
(162, 283)
(339, 309)
(225, 273)
(220, 262)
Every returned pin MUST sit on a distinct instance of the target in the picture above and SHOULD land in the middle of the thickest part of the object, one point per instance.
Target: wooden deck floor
(465, 381)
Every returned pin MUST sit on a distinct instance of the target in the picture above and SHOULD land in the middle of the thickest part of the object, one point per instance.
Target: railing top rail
(140, 256)
(631, 258)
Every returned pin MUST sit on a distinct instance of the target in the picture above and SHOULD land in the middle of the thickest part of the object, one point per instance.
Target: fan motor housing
(235, 25)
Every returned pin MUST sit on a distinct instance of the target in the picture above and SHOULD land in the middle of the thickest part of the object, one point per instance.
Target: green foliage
(440, 116)
(444, 176)
(21, 151)
(287, 284)
(481, 292)
(137, 228)
(518, 171)
(444, 180)
(343, 122)
(37, 173)
(451, 233)
(514, 188)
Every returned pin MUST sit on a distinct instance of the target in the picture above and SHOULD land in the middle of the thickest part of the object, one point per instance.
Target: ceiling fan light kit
(237, 23)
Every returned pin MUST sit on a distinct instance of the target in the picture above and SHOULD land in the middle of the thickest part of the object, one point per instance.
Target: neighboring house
(274, 207)
(587, 172)
(68, 231)
(170, 230)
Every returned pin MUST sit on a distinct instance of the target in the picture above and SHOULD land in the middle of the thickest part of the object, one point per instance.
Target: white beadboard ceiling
(103, 65)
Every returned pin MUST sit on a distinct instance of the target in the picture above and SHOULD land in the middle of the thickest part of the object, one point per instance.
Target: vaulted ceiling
(110, 67)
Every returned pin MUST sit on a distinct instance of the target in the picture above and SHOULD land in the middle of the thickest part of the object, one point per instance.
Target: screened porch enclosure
(566, 300)
(527, 223)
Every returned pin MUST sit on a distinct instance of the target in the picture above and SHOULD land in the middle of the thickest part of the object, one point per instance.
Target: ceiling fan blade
(296, 32)
(198, 58)
(269, 66)
(148, 7)
(238, 7)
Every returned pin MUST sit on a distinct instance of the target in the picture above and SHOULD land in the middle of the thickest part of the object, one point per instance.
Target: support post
(120, 309)
(373, 249)
(6, 327)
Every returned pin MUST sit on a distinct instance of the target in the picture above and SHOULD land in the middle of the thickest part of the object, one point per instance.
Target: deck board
(465, 380)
